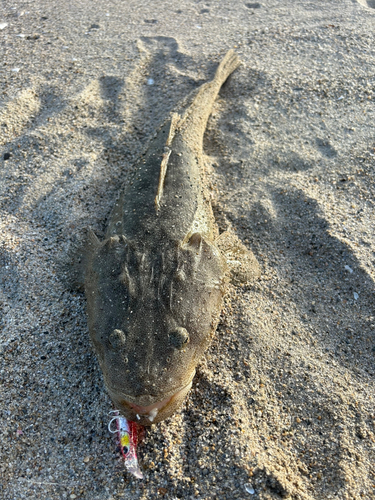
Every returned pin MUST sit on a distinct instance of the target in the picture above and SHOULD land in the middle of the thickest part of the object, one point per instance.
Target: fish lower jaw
(150, 411)
(147, 415)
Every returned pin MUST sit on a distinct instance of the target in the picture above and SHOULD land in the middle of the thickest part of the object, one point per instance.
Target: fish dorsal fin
(175, 119)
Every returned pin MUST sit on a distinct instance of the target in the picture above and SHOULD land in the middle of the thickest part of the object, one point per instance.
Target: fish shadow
(210, 404)
(326, 279)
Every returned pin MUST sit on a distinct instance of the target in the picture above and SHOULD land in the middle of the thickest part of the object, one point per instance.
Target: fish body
(155, 285)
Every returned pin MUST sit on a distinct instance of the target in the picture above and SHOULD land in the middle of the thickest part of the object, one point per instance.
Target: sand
(283, 404)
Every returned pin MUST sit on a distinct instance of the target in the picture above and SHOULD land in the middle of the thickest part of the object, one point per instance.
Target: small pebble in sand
(349, 269)
(249, 489)
(3, 25)
(150, 81)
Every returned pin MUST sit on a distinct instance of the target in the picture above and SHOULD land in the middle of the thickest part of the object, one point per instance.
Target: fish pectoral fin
(71, 268)
(92, 240)
(241, 262)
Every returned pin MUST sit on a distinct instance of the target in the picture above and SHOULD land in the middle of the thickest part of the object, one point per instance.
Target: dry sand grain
(283, 405)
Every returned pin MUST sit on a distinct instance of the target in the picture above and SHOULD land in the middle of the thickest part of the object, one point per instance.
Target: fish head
(152, 313)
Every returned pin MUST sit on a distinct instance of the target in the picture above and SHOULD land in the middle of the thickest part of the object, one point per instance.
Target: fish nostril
(179, 337)
(117, 339)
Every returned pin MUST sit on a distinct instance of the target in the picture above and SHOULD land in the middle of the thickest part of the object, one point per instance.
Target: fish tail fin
(194, 120)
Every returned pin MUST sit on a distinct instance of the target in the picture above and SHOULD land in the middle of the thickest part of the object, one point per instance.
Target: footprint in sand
(367, 3)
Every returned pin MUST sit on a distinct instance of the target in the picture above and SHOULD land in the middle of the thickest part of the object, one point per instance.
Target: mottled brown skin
(155, 285)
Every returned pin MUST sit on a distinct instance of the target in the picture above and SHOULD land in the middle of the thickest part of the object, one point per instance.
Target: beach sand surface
(283, 403)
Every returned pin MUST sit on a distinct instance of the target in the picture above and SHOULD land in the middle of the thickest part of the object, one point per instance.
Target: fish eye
(117, 339)
(179, 337)
(125, 449)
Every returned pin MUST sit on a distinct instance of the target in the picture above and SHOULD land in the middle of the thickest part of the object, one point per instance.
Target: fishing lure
(127, 437)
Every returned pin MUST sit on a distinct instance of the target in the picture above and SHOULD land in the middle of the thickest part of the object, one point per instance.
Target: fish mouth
(153, 413)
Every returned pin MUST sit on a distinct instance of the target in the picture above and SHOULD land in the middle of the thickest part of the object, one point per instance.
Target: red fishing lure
(127, 434)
